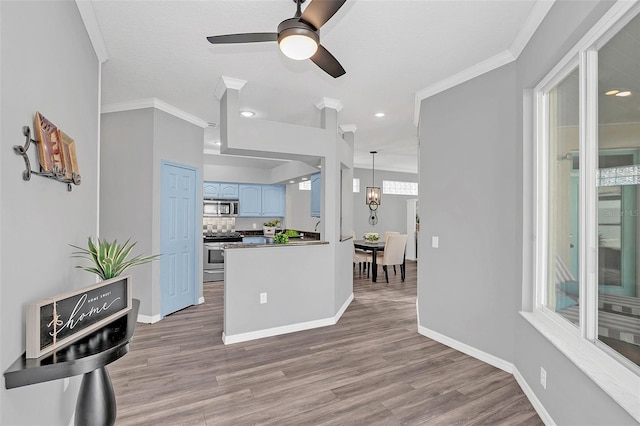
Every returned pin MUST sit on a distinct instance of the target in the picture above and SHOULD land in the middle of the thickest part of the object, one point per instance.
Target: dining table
(374, 247)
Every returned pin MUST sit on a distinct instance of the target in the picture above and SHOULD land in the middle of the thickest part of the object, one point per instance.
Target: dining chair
(394, 250)
(359, 257)
(385, 236)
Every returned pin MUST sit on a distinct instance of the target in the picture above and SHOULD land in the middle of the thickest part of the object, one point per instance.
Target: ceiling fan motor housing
(294, 26)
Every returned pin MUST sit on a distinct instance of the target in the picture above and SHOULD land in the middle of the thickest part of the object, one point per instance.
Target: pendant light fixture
(373, 193)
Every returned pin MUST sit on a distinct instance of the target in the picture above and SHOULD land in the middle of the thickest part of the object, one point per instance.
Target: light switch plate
(435, 242)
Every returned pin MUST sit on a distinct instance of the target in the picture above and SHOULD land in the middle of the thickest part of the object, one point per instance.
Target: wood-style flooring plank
(371, 368)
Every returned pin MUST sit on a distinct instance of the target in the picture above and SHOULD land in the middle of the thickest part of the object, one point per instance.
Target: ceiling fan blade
(327, 62)
(320, 11)
(243, 38)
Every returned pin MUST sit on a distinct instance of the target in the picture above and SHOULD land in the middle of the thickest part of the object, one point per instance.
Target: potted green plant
(269, 228)
(281, 238)
(109, 258)
(371, 237)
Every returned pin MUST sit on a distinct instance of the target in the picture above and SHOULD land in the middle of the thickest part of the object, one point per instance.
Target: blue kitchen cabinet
(273, 200)
(316, 191)
(211, 190)
(261, 200)
(220, 190)
(229, 191)
(250, 200)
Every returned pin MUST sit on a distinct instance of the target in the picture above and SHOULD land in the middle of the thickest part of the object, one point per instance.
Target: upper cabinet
(220, 190)
(211, 190)
(229, 191)
(250, 200)
(261, 200)
(316, 190)
(273, 200)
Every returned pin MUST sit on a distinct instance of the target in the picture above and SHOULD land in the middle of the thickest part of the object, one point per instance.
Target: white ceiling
(391, 49)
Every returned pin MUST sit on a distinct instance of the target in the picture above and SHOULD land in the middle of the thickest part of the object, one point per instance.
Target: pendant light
(373, 194)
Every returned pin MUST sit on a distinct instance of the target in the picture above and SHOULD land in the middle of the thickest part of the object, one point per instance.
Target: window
(304, 185)
(399, 188)
(587, 220)
(356, 185)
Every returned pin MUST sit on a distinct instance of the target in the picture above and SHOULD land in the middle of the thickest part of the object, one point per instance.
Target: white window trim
(305, 185)
(356, 185)
(619, 380)
(389, 187)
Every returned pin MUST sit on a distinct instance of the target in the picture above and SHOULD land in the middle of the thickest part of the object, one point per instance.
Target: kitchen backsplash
(231, 224)
(218, 224)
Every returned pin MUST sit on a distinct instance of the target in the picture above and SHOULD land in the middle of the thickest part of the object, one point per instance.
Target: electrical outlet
(263, 298)
(543, 377)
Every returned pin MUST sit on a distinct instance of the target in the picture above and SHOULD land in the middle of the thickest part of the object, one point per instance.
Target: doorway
(178, 230)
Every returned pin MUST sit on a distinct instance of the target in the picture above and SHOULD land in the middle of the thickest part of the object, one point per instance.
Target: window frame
(391, 186)
(617, 376)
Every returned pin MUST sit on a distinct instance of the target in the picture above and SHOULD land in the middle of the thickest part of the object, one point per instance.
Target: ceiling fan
(298, 37)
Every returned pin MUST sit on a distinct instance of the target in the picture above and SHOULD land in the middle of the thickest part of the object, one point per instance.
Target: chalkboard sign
(76, 314)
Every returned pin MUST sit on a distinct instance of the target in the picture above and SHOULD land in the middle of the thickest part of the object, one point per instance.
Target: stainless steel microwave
(220, 208)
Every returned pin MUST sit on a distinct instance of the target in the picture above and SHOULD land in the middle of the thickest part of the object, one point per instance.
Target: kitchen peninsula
(272, 289)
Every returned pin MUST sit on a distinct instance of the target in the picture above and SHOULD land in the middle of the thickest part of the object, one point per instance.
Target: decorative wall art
(48, 145)
(57, 321)
(56, 153)
(69, 159)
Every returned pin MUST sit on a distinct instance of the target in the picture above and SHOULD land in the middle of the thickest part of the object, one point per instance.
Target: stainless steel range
(213, 255)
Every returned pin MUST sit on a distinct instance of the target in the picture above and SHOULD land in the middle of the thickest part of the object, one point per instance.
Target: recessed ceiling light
(319, 166)
(303, 179)
(624, 94)
(612, 92)
(292, 181)
(379, 114)
(247, 113)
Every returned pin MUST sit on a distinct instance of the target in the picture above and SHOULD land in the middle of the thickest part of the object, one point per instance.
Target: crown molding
(157, 104)
(477, 70)
(531, 24)
(226, 83)
(346, 128)
(329, 103)
(88, 16)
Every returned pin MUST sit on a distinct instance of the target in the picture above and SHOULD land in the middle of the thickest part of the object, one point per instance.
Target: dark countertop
(292, 242)
(308, 235)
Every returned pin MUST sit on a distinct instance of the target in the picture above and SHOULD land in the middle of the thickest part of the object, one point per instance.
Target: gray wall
(471, 162)
(392, 213)
(468, 199)
(146, 137)
(126, 189)
(47, 65)
(299, 209)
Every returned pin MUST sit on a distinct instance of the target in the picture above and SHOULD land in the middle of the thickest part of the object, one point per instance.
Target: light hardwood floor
(372, 368)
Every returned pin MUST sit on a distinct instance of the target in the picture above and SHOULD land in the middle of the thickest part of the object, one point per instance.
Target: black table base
(96, 403)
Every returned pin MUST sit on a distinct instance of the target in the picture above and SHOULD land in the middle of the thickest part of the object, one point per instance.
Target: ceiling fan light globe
(298, 46)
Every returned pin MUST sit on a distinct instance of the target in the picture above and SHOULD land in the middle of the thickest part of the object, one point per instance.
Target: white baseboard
(285, 329)
(469, 350)
(146, 319)
(496, 362)
(343, 308)
(152, 319)
(533, 399)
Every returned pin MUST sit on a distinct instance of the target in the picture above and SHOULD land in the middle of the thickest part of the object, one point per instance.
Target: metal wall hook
(57, 174)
